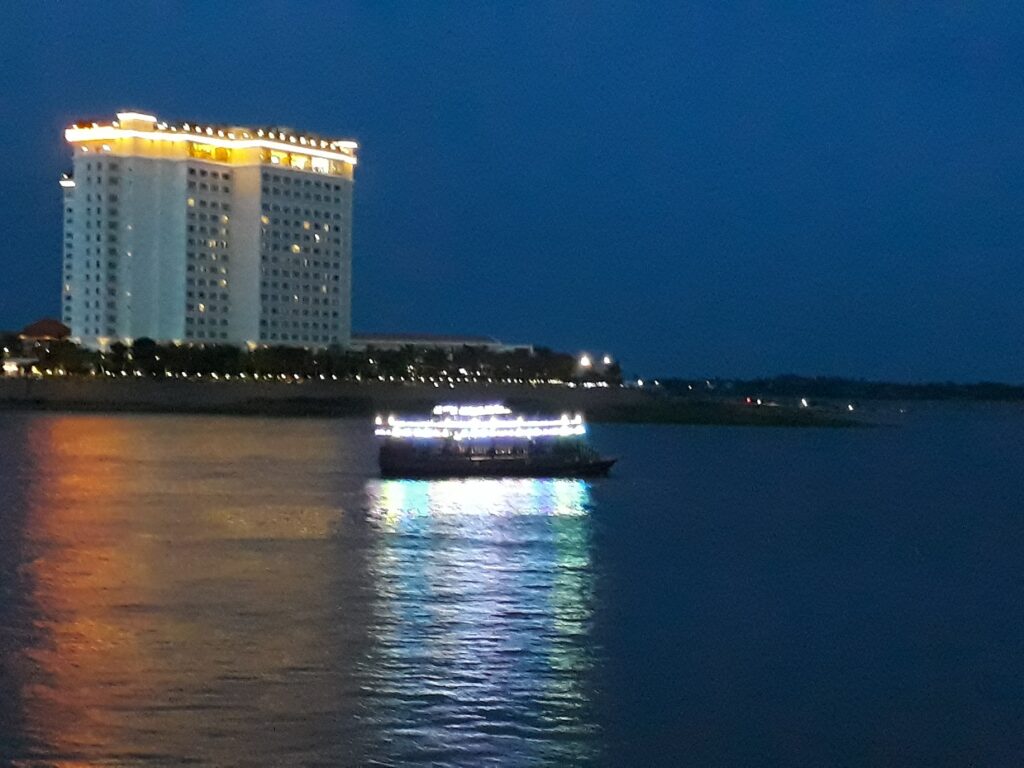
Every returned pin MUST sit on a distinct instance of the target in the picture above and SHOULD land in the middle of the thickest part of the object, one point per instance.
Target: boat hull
(466, 466)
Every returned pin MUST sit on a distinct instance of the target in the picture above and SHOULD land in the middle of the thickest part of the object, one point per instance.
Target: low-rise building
(433, 341)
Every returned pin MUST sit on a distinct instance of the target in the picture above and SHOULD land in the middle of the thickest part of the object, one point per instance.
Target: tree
(66, 356)
(117, 357)
(146, 356)
(11, 342)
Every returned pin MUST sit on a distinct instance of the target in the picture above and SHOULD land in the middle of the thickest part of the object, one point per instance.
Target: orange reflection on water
(71, 498)
(179, 587)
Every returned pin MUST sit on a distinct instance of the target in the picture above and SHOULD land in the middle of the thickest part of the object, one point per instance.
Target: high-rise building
(206, 233)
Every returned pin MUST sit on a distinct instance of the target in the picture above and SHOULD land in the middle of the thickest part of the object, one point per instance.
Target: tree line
(149, 358)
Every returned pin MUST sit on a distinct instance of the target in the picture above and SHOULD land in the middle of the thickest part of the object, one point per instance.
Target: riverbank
(328, 399)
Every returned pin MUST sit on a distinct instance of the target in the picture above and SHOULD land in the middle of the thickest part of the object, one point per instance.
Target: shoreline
(314, 399)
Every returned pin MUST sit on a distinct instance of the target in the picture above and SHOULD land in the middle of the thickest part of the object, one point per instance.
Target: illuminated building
(204, 233)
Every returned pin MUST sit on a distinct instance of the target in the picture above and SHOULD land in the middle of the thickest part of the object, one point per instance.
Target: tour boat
(486, 441)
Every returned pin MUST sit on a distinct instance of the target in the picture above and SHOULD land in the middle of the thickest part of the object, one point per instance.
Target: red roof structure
(45, 329)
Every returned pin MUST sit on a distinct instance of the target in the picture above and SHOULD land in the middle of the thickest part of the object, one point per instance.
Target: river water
(239, 591)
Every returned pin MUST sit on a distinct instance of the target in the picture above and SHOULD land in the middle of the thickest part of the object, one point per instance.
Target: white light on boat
(427, 431)
(461, 427)
(449, 409)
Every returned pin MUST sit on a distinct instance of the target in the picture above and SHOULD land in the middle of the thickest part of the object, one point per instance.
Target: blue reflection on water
(395, 501)
(485, 602)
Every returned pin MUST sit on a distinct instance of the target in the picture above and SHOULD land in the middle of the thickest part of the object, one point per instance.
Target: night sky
(726, 188)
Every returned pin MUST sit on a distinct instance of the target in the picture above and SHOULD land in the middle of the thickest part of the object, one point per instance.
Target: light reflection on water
(485, 604)
(395, 501)
(230, 593)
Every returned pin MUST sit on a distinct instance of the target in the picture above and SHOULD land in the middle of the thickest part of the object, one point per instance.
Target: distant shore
(340, 399)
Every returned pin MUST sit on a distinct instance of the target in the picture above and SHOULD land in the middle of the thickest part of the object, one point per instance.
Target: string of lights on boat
(477, 422)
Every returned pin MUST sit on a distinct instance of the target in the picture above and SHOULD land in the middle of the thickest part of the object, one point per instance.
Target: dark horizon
(734, 190)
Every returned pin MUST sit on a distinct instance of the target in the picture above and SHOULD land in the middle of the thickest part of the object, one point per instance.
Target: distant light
(803, 402)
(607, 360)
(585, 361)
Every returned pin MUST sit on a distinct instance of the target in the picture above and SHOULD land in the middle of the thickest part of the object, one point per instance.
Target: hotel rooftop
(140, 133)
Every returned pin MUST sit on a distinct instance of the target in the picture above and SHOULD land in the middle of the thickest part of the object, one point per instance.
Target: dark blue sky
(729, 188)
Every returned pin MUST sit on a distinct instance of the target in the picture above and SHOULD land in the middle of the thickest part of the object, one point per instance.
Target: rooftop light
(136, 116)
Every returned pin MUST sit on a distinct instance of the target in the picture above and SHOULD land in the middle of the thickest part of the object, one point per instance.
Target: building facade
(206, 234)
(393, 341)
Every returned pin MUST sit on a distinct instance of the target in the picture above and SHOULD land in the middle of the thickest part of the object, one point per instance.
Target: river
(240, 591)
